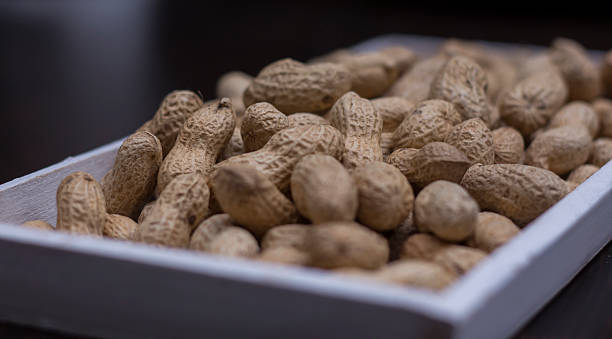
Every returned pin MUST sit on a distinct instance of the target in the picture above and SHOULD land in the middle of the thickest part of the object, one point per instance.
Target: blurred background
(75, 75)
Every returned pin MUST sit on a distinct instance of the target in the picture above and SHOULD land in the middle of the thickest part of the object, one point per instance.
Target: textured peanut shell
(39, 224)
(251, 199)
(430, 121)
(603, 108)
(474, 139)
(447, 210)
(392, 110)
(323, 190)
(371, 73)
(199, 143)
(385, 196)
(602, 152)
(560, 149)
(403, 56)
(261, 121)
(415, 84)
(305, 119)
(519, 192)
(292, 86)
(361, 124)
(579, 72)
(293, 235)
(146, 210)
(577, 113)
(279, 156)
(284, 255)
(434, 161)
(119, 227)
(129, 185)
(181, 206)
(463, 83)
(417, 273)
(459, 259)
(235, 146)
(80, 205)
(582, 173)
(346, 244)
(172, 113)
(217, 235)
(508, 145)
(532, 102)
(606, 74)
(421, 246)
(492, 231)
(232, 85)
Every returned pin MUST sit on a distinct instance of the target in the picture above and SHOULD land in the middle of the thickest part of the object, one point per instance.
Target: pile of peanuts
(383, 166)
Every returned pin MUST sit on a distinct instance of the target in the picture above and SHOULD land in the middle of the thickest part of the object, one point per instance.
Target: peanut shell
(323, 190)
(232, 85)
(492, 231)
(579, 72)
(119, 227)
(217, 235)
(392, 110)
(602, 152)
(508, 145)
(292, 86)
(293, 235)
(415, 84)
(421, 246)
(39, 224)
(417, 273)
(305, 119)
(474, 139)
(577, 113)
(560, 149)
(581, 173)
(261, 121)
(519, 192)
(606, 74)
(80, 205)
(371, 73)
(459, 259)
(603, 108)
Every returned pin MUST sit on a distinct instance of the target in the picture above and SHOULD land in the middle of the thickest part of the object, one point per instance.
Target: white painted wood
(109, 288)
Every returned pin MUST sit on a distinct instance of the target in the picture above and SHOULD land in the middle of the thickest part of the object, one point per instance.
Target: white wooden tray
(110, 288)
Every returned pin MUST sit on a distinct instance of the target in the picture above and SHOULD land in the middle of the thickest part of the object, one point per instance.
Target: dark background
(79, 74)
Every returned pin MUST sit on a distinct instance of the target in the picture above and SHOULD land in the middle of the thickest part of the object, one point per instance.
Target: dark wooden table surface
(78, 74)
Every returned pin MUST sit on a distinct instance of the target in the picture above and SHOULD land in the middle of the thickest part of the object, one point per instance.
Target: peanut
(235, 146)
(417, 273)
(435, 161)
(284, 255)
(392, 110)
(371, 73)
(172, 113)
(346, 244)
(508, 145)
(580, 74)
(385, 196)
(577, 113)
(292, 86)
(80, 205)
(323, 190)
(606, 74)
(492, 231)
(560, 149)
(532, 102)
(603, 108)
(421, 246)
(118, 227)
(404, 57)
(232, 85)
(474, 139)
(293, 236)
(519, 192)
(415, 84)
(261, 122)
(602, 152)
(217, 235)
(463, 83)
(181, 206)
(447, 210)
(199, 143)
(146, 210)
(360, 123)
(279, 156)
(458, 259)
(581, 173)
(430, 121)
(39, 224)
(305, 119)
(129, 185)
(251, 199)
(334, 56)
(537, 63)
